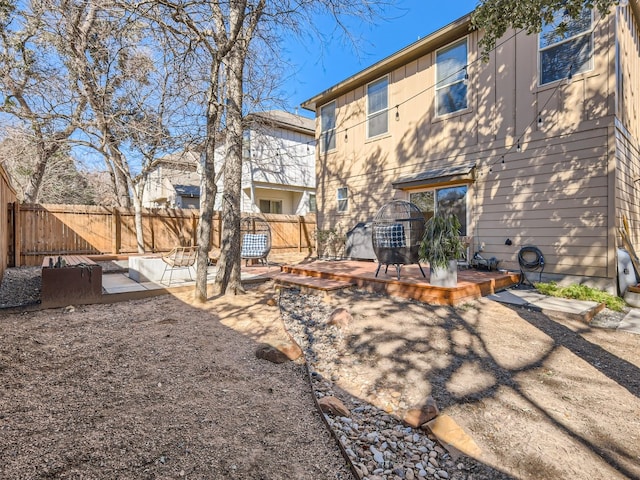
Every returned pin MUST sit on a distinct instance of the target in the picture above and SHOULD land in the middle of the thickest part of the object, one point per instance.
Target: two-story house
(173, 181)
(278, 173)
(538, 145)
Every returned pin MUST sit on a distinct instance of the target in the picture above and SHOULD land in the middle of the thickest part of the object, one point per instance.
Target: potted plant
(441, 247)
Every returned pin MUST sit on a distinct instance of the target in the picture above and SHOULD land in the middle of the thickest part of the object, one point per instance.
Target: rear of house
(536, 146)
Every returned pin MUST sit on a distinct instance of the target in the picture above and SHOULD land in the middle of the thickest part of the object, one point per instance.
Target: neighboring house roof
(285, 120)
(435, 40)
(185, 159)
(187, 190)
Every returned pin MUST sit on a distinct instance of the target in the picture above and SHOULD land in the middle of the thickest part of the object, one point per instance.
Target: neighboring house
(278, 169)
(537, 146)
(279, 163)
(173, 181)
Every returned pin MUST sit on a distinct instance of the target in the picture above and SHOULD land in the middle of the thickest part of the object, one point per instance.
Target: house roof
(185, 158)
(458, 173)
(187, 190)
(286, 120)
(435, 40)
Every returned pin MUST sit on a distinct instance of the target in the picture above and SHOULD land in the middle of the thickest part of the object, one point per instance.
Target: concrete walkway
(576, 309)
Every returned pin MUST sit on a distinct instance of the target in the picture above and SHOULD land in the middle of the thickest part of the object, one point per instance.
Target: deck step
(315, 283)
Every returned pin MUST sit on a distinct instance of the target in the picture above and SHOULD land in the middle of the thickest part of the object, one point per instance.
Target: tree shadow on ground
(483, 356)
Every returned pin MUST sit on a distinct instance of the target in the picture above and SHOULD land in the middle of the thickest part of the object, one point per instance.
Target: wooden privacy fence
(90, 230)
(8, 203)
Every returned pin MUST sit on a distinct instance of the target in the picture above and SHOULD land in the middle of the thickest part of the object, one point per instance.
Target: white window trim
(590, 32)
(386, 110)
(322, 132)
(345, 198)
(437, 86)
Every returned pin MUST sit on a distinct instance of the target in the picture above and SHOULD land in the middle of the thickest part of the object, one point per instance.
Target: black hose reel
(530, 259)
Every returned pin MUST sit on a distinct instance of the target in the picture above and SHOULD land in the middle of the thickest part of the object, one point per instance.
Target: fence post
(194, 229)
(300, 233)
(152, 230)
(17, 237)
(117, 232)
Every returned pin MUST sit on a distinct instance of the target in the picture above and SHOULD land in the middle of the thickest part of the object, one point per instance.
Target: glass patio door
(449, 199)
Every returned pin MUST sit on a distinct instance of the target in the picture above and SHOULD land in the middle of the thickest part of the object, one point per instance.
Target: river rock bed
(379, 445)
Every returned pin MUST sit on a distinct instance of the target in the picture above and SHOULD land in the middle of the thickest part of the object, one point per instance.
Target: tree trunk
(35, 181)
(228, 275)
(208, 188)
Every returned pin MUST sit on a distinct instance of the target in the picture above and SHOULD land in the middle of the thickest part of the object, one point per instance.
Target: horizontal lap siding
(553, 196)
(556, 193)
(628, 124)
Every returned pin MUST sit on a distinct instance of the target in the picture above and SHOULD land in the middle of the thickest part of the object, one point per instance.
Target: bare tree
(34, 90)
(228, 275)
(204, 33)
(228, 34)
(62, 181)
(124, 80)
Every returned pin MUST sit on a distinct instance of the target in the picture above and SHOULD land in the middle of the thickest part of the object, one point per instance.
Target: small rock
(340, 318)
(270, 353)
(415, 417)
(333, 406)
(272, 302)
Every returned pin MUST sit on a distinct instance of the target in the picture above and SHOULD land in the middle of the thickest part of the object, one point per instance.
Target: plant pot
(445, 277)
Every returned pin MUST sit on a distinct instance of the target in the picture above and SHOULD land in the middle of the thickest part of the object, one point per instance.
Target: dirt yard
(542, 397)
(154, 389)
(160, 388)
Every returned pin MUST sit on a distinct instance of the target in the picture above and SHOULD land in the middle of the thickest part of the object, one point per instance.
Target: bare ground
(153, 389)
(160, 388)
(542, 397)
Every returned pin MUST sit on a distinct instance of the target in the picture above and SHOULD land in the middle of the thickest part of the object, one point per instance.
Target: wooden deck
(472, 284)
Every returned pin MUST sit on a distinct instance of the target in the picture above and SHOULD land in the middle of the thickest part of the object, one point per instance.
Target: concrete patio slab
(631, 323)
(119, 282)
(577, 309)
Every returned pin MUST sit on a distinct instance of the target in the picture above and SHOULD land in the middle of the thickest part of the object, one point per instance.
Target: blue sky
(319, 67)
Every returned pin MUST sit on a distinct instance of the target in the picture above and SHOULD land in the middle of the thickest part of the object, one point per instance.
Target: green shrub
(581, 292)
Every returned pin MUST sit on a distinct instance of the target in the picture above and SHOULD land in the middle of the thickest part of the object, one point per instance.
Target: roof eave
(441, 37)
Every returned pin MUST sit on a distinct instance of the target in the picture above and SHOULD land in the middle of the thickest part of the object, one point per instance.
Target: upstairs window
(377, 105)
(566, 46)
(451, 74)
(328, 127)
(343, 199)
